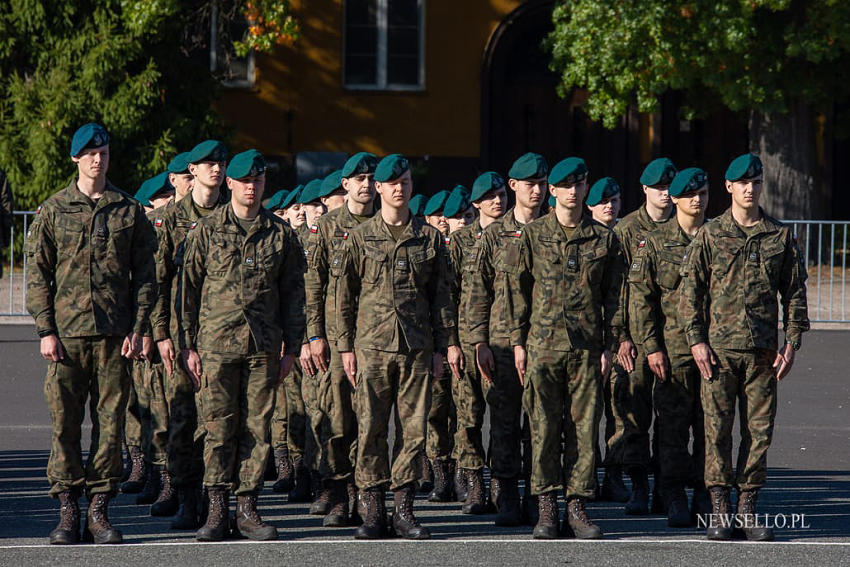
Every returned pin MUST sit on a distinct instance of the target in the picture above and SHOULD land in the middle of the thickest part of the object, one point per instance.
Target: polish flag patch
(38, 210)
(518, 233)
(642, 243)
(194, 224)
(314, 229)
(345, 236)
(158, 223)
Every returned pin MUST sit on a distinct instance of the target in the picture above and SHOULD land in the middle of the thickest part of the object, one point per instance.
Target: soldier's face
(569, 197)
(396, 193)
(313, 211)
(692, 203)
(606, 210)
(529, 192)
(335, 200)
(182, 183)
(439, 222)
(493, 204)
(161, 199)
(747, 192)
(657, 196)
(360, 188)
(247, 191)
(457, 222)
(296, 215)
(92, 162)
(208, 173)
(280, 213)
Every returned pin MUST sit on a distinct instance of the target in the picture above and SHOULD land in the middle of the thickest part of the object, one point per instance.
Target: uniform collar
(583, 230)
(111, 194)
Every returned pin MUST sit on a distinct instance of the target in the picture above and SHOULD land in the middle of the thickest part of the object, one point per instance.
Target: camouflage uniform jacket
(654, 285)
(565, 294)
(731, 282)
(237, 287)
(91, 267)
(391, 294)
(464, 250)
(325, 248)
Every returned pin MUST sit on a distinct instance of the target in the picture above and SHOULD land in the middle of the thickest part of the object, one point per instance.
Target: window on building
(234, 71)
(384, 44)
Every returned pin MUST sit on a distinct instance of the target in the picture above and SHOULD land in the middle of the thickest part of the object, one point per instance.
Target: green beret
(747, 166)
(437, 202)
(659, 171)
(180, 164)
(457, 202)
(569, 171)
(361, 162)
(687, 180)
(275, 200)
(529, 166)
(485, 183)
(150, 187)
(89, 135)
(391, 167)
(331, 183)
(209, 150)
(605, 188)
(250, 163)
(417, 205)
(310, 192)
(292, 198)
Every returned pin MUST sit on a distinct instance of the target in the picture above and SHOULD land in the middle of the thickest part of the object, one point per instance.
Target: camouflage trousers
(314, 425)
(615, 395)
(238, 399)
(638, 418)
(504, 396)
(93, 370)
(289, 419)
(563, 401)
(186, 432)
(470, 408)
(149, 385)
(339, 425)
(133, 421)
(748, 378)
(387, 380)
(442, 419)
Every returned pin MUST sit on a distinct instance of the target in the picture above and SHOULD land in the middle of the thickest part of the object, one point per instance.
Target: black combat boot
(248, 520)
(98, 529)
(476, 499)
(301, 491)
(373, 511)
(218, 516)
(337, 516)
(128, 463)
(284, 470)
(529, 506)
(613, 487)
(547, 523)
(442, 491)
(426, 483)
(700, 502)
(638, 504)
(748, 519)
(138, 472)
(659, 504)
(151, 490)
(187, 511)
(508, 503)
(461, 483)
(271, 467)
(721, 520)
(678, 515)
(67, 532)
(405, 523)
(322, 502)
(167, 502)
(577, 521)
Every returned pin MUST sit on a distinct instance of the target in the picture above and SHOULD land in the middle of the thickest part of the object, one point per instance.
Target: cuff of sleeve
(696, 337)
(344, 344)
(46, 326)
(160, 333)
(187, 341)
(315, 330)
(454, 340)
(651, 345)
(518, 338)
(142, 328)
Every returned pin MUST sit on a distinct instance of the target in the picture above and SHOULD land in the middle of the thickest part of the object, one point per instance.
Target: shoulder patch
(517, 233)
(641, 244)
(158, 223)
(193, 225)
(478, 234)
(314, 229)
(447, 240)
(38, 210)
(345, 236)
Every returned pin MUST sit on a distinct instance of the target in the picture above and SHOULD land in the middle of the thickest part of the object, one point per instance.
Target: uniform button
(249, 261)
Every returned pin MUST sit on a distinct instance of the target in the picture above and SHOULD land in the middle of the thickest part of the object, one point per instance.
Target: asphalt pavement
(808, 486)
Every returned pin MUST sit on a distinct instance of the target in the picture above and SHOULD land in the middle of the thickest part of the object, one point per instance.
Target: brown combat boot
(301, 491)
(547, 525)
(720, 522)
(678, 515)
(138, 472)
(322, 502)
(405, 523)
(442, 491)
(508, 503)
(748, 519)
(151, 490)
(371, 507)
(167, 502)
(578, 522)
(218, 516)
(67, 532)
(248, 520)
(337, 516)
(284, 470)
(187, 512)
(461, 481)
(98, 529)
(476, 500)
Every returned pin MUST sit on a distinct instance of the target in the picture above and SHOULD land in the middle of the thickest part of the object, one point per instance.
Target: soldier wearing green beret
(184, 462)
(394, 318)
(736, 270)
(275, 201)
(564, 314)
(417, 205)
(242, 320)
(311, 200)
(483, 299)
(155, 192)
(632, 232)
(458, 210)
(655, 287)
(333, 194)
(90, 287)
(179, 175)
(293, 212)
(434, 211)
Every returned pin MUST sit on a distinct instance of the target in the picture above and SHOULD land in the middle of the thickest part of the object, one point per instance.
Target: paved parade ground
(808, 484)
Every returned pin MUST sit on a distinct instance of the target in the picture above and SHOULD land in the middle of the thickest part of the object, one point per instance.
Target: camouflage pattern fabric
(185, 431)
(678, 415)
(132, 419)
(614, 398)
(439, 439)
(153, 409)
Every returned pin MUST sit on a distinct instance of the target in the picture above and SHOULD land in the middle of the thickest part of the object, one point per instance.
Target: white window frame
(381, 83)
(247, 83)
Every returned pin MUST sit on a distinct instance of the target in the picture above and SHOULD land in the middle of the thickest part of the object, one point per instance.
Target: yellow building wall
(299, 103)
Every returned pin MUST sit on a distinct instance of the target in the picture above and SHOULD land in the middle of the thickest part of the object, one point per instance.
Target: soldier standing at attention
(293, 212)
(185, 461)
(564, 315)
(90, 287)
(243, 322)
(632, 232)
(333, 194)
(654, 283)
(734, 270)
(394, 307)
(483, 300)
(179, 176)
(335, 391)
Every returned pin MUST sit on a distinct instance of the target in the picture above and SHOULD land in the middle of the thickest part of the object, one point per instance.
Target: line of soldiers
(302, 327)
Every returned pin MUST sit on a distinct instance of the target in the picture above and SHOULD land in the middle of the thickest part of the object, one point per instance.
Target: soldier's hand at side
(306, 359)
(486, 364)
(437, 365)
(132, 347)
(520, 362)
(286, 362)
(349, 363)
(626, 354)
(705, 359)
(147, 347)
(321, 353)
(784, 361)
(192, 362)
(455, 358)
(51, 348)
(166, 353)
(658, 364)
(605, 363)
